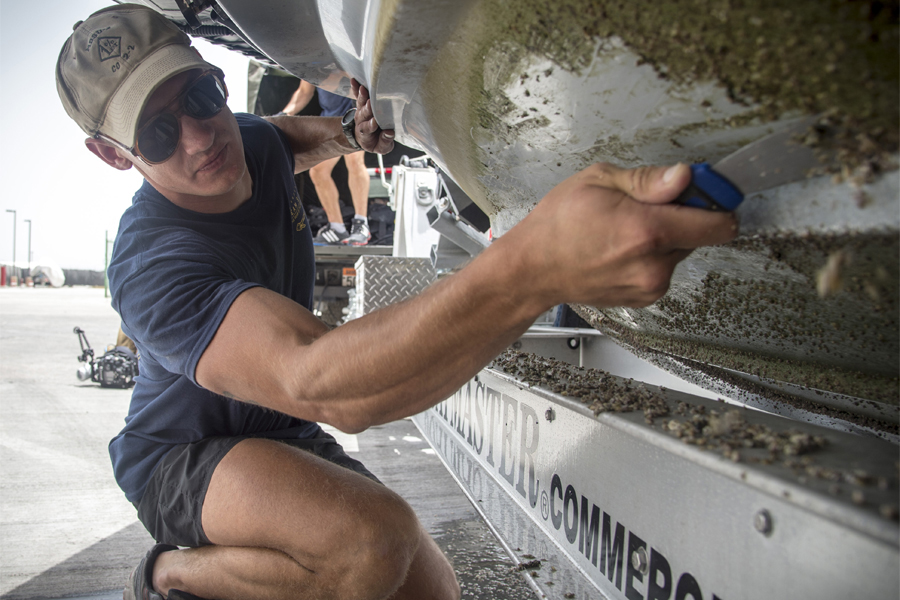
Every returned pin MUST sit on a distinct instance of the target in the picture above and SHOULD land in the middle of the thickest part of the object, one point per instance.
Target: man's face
(209, 159)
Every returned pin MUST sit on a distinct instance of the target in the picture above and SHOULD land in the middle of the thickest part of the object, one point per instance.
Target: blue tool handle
(710, 190)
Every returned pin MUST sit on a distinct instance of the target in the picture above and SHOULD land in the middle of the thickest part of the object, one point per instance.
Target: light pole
(106, 266)
(29, 245)
(14, 240)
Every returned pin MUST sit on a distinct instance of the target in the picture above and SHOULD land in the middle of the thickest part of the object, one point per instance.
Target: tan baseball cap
(114, 61)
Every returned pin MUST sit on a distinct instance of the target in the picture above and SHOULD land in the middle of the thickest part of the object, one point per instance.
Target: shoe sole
(350, 243)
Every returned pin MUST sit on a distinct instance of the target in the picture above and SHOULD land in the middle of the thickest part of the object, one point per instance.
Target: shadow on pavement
(101, 567)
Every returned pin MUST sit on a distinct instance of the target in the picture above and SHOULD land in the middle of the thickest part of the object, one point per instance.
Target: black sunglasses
(157, 140)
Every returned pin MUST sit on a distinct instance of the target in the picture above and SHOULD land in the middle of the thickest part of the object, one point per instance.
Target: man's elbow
(351, 424)
(345, 416)
(353, 428)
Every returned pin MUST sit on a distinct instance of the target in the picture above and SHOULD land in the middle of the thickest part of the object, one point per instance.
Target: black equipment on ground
(116, 368)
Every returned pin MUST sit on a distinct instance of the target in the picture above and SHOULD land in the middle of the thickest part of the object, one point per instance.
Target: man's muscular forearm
(314, 139)
(406, 358)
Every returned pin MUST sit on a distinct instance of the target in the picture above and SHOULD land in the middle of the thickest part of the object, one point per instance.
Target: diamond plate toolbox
(385, 280)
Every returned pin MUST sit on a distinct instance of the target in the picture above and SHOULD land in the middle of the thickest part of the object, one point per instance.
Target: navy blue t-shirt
(174, 274)
(334, 105)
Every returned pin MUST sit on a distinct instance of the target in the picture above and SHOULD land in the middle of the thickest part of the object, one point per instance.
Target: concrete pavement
(65, 528)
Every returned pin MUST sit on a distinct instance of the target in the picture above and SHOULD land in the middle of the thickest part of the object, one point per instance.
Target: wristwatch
(348, 124)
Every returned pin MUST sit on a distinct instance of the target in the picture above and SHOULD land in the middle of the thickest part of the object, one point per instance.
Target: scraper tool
(771, 161)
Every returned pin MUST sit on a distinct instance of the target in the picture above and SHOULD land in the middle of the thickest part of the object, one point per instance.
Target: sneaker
(359, 234)
(140, 583)
(327, 236)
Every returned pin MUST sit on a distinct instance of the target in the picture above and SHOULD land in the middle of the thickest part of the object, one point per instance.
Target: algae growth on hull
(757, 311)
(778, 308)
(811, 56)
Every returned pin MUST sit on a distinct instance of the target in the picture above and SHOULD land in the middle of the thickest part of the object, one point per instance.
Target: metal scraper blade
(777, 159)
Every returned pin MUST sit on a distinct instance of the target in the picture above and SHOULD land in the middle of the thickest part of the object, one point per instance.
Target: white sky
(46, 173)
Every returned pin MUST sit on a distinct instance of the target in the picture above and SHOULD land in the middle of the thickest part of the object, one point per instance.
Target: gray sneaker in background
(327, 236)
(359, 234)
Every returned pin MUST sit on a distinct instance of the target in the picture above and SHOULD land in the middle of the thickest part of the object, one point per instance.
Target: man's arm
(587, 241)
(314, 139)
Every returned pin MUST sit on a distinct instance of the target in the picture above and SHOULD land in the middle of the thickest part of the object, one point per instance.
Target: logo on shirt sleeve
(298, 215)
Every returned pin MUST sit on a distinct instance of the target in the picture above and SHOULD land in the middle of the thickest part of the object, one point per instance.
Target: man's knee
(441, 575)
(320, 173)
(387, 538)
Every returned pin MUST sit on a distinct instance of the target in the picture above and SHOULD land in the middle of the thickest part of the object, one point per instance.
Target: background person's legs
(327, 190)
(358, 181)
(288, 524)
(335, 232)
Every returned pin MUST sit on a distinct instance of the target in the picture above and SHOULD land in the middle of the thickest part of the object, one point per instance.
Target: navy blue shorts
(171, 507)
